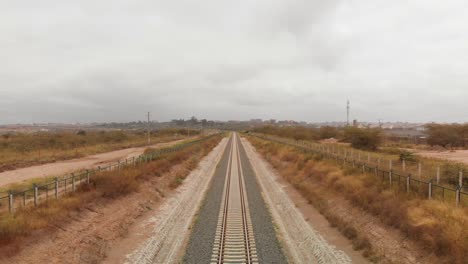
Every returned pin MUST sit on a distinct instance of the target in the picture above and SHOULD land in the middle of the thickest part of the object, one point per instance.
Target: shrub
(363, 138)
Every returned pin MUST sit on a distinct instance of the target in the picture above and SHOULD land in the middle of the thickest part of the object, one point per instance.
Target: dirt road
(68, 166)
(456, 155)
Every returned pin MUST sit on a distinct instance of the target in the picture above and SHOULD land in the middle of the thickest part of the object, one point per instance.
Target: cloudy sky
(113, 60)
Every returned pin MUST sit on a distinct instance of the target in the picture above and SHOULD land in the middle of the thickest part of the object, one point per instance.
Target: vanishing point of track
(234, 240)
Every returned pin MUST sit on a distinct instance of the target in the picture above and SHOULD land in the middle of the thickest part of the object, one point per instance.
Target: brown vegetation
(440, 228)
(453, 135)
(105, 186)
(21, 150)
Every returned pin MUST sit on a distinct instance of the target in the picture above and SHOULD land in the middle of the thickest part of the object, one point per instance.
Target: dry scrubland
(372, 142)
(105, 186)
(439, 227)
(21, 150)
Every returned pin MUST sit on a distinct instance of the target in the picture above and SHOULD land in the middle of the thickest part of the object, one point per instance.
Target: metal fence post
(35, 194)
(10, 202)
(56, 187)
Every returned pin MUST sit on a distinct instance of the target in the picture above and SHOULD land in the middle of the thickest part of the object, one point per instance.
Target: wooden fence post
(403, 165)
(438, 174)
(457, 197)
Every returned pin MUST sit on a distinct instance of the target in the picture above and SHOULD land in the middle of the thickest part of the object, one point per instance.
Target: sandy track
(172, 222)
(68, 166)
(303, 243)
(456, 155)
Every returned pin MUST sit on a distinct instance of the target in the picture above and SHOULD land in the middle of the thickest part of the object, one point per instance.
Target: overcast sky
(113, 60)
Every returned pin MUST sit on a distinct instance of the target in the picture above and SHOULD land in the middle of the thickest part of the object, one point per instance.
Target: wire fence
(399, 181)
(60, 186)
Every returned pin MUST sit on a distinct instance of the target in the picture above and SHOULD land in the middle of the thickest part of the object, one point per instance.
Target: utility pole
(347, 113)
(149, 138)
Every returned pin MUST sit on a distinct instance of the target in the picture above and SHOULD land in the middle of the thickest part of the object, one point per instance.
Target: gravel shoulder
(268, 247)
(68, 166)
(302, 242)
(172, 222)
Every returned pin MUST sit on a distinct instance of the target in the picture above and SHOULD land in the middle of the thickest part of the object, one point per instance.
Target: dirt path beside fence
(108, 230)
(456, 155)
(68, 166)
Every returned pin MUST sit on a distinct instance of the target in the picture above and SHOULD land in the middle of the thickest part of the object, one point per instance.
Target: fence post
(460, 178)
(403, 165)
(438, 174)
(430, 190)
(457, 196)
(56, 187)
(73, 182)
(10, 202)
(390, 165)
(87, 176)
(408, 183)
(419, 170)
(35, 194)
(390, 174)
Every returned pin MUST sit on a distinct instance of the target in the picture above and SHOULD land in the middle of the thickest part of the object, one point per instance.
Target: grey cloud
(99, 61)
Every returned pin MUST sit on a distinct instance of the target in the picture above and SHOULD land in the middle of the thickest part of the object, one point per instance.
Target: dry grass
(104, 186)
(21, 150)
(441, 228)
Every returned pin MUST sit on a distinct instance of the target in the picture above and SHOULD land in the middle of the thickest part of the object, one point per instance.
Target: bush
(453, 135)
(367, 138)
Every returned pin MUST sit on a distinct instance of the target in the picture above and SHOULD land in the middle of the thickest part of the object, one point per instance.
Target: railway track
(234, 240)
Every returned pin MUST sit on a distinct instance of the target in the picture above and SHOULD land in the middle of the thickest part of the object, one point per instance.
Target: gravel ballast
(200, 245)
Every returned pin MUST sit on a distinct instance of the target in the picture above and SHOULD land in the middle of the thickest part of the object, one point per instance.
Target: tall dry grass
(441, 228)
(103, 187)
(20, 149)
